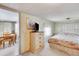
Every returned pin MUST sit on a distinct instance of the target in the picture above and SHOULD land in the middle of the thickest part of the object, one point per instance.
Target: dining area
(9, 32)
(7, 38)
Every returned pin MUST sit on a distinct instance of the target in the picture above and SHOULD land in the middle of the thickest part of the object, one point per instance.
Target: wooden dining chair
(1, 42)
(10, 38)
(7, 38)
(13, 41)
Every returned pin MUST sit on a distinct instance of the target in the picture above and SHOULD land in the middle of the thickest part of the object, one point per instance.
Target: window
(47, 31)
(6, 27)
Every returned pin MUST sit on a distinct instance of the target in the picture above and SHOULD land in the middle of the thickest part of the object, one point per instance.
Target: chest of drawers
(37, 41)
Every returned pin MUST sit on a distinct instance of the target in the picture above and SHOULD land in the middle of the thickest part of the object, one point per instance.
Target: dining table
(4, 39)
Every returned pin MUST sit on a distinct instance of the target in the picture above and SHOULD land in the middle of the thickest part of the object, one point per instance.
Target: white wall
(6, 15)
(67, 27)
(42, 23)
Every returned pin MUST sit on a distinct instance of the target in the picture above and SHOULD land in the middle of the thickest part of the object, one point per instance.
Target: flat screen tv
(36, 27)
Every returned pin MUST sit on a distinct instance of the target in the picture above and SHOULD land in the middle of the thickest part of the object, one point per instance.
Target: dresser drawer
(39, 41)
(39, 38)
(38, 33)
(41, 46)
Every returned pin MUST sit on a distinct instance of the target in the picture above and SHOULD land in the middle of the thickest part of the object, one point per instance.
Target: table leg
(3, 44)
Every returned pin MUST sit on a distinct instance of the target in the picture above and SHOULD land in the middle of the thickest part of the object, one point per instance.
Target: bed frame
(68, 50)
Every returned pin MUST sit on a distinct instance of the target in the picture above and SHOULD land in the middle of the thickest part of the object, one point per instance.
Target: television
(36, 27)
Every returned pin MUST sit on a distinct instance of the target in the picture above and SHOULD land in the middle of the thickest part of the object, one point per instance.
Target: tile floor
(10, 51)
(47, 51)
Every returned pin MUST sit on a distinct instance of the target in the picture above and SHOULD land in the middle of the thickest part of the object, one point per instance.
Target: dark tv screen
(36, 27)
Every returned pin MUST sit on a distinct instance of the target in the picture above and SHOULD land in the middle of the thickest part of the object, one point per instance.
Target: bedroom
(58, 28)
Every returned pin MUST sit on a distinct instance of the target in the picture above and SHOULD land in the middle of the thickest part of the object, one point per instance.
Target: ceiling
(56, 12)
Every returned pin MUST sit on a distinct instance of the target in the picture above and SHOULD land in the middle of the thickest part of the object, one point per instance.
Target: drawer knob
(39, 41)
(40, 46)
(39, 37)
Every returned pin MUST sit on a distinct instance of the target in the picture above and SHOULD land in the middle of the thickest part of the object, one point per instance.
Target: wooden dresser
(37, 41)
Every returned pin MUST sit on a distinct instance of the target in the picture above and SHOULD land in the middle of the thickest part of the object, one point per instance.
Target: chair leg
(13, 42)
(9, 43)
(3, 44)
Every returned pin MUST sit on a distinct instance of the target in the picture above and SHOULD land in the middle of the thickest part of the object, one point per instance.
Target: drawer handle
(40, 46)
(39, 37)
(39, 41)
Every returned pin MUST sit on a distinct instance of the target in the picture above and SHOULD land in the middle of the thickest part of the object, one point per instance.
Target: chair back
(6, 35)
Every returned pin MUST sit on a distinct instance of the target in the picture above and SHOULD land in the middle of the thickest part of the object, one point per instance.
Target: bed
(65, 42)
